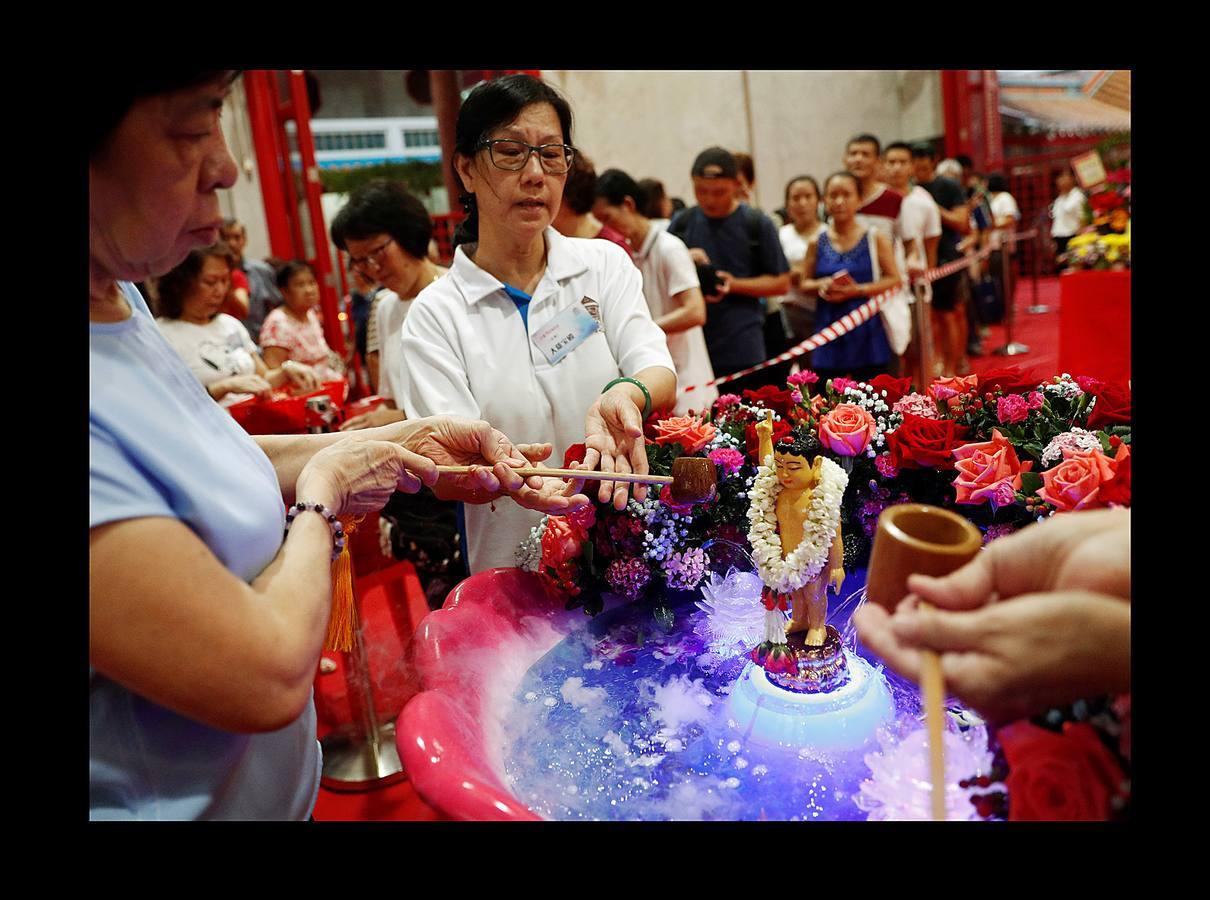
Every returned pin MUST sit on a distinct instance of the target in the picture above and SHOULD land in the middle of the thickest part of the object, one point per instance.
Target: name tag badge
(566, 331)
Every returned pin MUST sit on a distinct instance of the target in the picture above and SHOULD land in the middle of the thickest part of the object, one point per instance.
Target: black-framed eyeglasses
(513, 156)
(374, 257)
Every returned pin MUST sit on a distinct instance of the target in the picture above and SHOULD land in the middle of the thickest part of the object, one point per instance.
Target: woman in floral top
(293, 330)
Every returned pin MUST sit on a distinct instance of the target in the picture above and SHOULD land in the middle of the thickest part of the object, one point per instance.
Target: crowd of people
(575, 305)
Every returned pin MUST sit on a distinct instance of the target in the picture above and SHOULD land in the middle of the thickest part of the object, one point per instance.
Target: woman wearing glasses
(386, 232)
(530, 328)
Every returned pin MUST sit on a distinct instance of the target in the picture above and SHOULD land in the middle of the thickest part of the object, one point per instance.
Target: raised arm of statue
(764, 431)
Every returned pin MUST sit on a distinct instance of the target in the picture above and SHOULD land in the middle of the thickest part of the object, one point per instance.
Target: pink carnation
(839, 384)
(806, 376)
(796, 396)
(726, 400)
(916, 405)
(1011, 409)
(727, 459)
(1035, 400)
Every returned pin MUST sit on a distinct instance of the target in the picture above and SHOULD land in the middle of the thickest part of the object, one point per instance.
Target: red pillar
(261, 90)
(329, 301)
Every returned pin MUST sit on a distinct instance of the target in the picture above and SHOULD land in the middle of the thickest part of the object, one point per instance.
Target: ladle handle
(932, 684)
(590, 475)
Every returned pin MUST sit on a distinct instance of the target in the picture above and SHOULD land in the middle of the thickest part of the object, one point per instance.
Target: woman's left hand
(613, 436)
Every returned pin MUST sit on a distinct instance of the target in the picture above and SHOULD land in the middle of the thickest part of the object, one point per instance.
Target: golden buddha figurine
(795, 529)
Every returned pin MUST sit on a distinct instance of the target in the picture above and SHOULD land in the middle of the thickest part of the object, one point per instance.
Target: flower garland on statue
(784, 575)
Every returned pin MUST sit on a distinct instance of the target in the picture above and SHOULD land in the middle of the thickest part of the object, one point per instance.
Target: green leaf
(1104, 439)
(664, 618)
(1030, 482)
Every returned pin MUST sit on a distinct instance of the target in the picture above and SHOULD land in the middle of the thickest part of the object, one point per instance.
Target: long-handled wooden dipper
(914, 537)
(694, 479)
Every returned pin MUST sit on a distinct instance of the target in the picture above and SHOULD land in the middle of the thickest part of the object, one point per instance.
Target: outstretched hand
(613, 436)
(1015, 659)
(455, 441)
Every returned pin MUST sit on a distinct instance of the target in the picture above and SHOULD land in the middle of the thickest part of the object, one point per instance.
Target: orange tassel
(343, 620)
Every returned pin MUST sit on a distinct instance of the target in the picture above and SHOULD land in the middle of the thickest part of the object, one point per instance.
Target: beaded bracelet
(338, 530)
(642, 387)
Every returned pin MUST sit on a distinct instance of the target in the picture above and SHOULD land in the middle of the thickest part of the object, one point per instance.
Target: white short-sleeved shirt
(1003, 206)
(467, 352)
(919, 217)
(667, 270)
(219, 349)
(1068, 212)
(794, 245)
(389, 314)
(160, 447)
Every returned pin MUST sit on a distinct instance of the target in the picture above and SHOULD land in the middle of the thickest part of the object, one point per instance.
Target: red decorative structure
(269, 112)
(1094, 324)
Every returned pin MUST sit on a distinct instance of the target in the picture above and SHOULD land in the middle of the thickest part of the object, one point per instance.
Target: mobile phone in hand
(842, 278)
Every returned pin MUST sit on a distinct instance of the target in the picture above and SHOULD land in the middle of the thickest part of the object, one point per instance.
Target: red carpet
(1038, 331)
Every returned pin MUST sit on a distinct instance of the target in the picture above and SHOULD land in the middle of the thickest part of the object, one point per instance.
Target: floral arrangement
(1003, 449)
(1105, 241)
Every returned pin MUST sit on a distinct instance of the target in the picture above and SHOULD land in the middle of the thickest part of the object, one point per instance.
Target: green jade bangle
(642, 387)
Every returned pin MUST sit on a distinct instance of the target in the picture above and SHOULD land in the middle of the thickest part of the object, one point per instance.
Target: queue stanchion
(363, 756)
(922, 320)
(1036, 308)
(1011, 347)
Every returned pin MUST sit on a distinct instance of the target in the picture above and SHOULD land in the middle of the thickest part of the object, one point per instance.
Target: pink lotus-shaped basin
(470, 656)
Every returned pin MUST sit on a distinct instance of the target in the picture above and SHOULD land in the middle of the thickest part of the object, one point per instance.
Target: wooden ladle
(916, 537)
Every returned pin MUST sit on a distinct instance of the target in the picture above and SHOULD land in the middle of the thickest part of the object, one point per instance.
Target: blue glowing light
(839, 721)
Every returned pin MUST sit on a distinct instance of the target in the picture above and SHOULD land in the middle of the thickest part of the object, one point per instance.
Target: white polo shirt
(667, 270)
(467, 352)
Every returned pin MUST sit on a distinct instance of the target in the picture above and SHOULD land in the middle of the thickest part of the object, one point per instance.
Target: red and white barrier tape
(853, 319)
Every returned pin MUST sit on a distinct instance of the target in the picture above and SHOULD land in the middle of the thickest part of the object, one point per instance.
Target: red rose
(895, 388)
(771, 398)
(1112, 407)
(562, 541)
(921, 443)
(575, 453)
(1068, 777)
(1011, 380)
(752, 441)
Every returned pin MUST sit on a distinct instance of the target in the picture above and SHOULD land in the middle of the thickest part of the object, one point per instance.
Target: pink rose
(951, 387)
(988, 471)
(727, 459)
(847, 430)
(1011, 409)
(1076, 482)
(691, 433)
